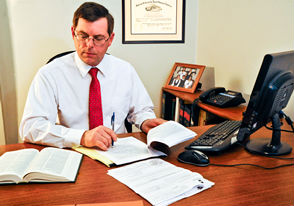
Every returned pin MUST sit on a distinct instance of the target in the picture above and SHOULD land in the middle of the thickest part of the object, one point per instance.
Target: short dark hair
(92, 11)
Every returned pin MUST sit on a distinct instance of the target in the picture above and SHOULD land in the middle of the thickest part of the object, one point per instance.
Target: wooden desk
(231, 113)
(243, 185)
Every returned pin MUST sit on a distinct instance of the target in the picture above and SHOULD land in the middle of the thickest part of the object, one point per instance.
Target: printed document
(159, 182)
(129, 149)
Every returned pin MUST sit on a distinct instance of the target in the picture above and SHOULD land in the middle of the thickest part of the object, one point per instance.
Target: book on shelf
(31, 165)
(168, 106)
(129, 149)
(185, 114)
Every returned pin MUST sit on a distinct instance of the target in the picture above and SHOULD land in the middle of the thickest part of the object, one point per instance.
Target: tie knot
(93, 71)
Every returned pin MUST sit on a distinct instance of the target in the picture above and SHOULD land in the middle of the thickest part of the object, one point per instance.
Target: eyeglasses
(98, 40)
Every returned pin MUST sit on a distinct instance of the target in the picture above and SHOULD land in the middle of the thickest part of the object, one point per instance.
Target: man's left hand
(150, 123)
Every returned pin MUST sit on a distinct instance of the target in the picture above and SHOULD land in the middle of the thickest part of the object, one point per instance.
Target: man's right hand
(100, 137)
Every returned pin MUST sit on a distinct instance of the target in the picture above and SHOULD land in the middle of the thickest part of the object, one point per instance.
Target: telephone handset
(221, 97)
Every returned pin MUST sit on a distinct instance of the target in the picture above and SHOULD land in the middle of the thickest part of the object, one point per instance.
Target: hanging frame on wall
(153, 21)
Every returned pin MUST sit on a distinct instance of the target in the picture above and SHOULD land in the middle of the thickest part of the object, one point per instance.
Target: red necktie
(95, 105)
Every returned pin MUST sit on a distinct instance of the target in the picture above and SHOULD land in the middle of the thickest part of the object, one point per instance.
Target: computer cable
(254, 165)
(196, 157)
(282, 130)
(281, 158)
(288, 120)
(269, 156)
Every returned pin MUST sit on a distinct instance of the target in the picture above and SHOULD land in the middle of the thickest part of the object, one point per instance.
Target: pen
(112, 124)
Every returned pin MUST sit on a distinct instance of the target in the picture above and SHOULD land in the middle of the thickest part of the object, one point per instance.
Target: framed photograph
(184, 77)
(153, 21)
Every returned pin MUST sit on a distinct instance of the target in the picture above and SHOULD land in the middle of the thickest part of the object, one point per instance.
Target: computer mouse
(194, 157)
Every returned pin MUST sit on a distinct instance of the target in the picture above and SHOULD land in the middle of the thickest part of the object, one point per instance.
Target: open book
(130, 149)
(167, 135)
(48, 165)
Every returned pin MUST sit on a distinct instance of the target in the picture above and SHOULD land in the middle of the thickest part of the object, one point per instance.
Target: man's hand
(150, 123)
(100, 137)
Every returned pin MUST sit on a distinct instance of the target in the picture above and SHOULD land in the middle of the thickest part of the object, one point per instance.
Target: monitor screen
(271, 93)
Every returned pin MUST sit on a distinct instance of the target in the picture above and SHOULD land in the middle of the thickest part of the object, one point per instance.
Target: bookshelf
(177, 106)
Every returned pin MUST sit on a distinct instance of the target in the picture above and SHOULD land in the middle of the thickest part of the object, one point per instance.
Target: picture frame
(184, 77)
(151, 22)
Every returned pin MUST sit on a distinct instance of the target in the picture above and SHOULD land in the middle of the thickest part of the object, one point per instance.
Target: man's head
(92, 32)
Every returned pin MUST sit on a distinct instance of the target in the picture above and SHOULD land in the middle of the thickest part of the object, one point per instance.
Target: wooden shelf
(230, 113)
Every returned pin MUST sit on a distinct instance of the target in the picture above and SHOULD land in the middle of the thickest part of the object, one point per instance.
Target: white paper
(129, 149)
(170, 133)
(160, 182)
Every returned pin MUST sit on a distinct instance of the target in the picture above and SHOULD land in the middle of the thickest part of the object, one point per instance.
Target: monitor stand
(263, 146)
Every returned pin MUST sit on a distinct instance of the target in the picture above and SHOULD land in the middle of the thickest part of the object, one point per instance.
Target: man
(176, 82)
(60, 90)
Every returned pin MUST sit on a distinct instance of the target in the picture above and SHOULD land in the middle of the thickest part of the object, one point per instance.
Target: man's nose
(90, 42)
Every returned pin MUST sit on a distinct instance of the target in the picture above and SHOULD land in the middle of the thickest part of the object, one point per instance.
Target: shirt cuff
(73, 137)
(142, 118)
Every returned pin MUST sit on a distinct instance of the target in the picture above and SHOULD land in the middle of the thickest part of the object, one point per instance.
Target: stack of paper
(160, 182)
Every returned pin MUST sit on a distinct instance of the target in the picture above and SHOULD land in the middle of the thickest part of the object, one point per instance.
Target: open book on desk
(130, 149)
(48, 165)
(168, 134)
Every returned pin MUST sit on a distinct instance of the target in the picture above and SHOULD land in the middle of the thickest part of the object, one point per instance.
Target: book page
(16, 163)
(129, 149)
(57, 165)
(170, 133)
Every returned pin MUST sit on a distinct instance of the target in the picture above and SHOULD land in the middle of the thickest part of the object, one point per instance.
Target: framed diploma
(153, 21)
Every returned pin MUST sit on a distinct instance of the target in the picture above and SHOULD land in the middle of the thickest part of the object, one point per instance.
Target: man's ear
(72, 31)
(111, 38)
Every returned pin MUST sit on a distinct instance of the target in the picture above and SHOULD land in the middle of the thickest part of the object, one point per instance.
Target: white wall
(41, 29)
(9, 123)
(234, 35)
(2, 137)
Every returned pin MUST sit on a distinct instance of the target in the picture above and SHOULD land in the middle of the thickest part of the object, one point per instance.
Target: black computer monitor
(271, 93)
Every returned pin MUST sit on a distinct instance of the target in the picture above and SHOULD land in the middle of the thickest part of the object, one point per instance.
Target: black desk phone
(221, 97)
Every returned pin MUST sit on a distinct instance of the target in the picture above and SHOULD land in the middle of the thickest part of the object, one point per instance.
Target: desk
(231, 113)
(233, 186)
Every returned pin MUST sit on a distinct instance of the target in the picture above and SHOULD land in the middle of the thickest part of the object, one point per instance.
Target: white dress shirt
(176, 82)
(188, 83)
(56, 110)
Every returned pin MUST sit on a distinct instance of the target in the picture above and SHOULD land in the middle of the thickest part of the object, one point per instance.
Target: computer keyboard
(217, 138)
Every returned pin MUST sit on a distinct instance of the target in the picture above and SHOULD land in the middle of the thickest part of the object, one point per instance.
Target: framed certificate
(153, 21)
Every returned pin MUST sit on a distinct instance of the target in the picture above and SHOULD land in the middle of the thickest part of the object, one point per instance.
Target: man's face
(90, 52)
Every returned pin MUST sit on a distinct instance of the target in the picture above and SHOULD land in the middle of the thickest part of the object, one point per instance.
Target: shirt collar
(85, 68)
